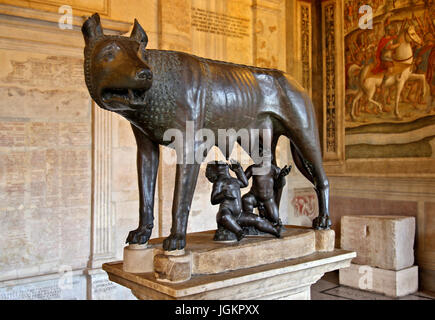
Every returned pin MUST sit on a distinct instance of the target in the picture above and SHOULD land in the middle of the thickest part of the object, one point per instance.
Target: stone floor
(328, 288)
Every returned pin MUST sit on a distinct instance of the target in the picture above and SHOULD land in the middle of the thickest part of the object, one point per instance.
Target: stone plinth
(389, 282)
(138, 258)
(172, 266)
(380, 241)
(325, 240)
(258, 267)
(290, 280)
(210, 257)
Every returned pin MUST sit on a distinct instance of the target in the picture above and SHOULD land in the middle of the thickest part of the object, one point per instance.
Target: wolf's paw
(174, 242)
(321, 222)
(140, 235)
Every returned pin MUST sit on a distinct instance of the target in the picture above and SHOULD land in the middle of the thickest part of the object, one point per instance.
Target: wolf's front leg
(147, 166)
(185, 182)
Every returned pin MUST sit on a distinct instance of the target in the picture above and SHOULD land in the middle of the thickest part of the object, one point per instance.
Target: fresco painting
(390, 79)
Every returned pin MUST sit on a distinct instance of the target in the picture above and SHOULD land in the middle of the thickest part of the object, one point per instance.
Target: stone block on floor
(385, 242)
(389, 282)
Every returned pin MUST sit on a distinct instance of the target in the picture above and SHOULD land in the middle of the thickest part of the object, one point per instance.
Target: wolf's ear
(139, 34)
(92, 29)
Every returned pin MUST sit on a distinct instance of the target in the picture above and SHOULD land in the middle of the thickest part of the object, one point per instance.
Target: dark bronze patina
(156, 90)
(265, 193)
(226, 193)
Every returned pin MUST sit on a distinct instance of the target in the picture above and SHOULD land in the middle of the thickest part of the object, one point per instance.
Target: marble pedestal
(255, 268)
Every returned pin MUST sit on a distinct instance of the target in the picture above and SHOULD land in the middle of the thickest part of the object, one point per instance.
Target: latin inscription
(52, 71)
(219, 23)
(38, 293)
(45, 290)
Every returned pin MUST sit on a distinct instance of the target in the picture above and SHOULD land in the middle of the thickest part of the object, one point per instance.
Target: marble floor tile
(322, 296)
(328, 288)
(354, 294)
(415, 296)
(323, 285)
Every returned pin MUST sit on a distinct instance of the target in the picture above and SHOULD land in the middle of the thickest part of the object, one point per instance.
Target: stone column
(102, 213)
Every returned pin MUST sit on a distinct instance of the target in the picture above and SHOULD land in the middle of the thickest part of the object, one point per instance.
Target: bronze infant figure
(157, 90)
(226, 193)
(265, 193)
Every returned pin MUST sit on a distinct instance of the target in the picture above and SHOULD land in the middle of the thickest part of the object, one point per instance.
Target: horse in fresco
(402, 70)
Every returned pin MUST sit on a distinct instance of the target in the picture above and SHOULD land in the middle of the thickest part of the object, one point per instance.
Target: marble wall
(68, 181)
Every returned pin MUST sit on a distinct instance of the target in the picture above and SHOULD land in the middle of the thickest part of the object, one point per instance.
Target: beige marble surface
(210, 257)
(328, 288)
(389, 282)
(325, 240)
(173, 268)
(138, 258)
(386, 242)
(203, 255)
(271, 280)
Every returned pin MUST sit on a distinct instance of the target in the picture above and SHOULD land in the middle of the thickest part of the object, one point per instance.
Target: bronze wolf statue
(156, 90)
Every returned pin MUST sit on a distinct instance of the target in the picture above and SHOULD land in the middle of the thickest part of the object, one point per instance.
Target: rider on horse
(384, 52)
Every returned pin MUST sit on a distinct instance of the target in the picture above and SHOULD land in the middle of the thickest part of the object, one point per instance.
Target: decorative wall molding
(396, 167)
(414, 189)
(100, 6)
(305, 38)
(330, 78)
(333, 84)
(37, 31)
(38, 36)
(110, 26)
(272, 6)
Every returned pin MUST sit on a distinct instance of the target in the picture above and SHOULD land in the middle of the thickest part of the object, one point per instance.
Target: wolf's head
(116, 73)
